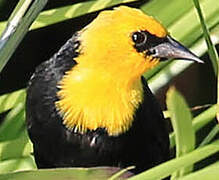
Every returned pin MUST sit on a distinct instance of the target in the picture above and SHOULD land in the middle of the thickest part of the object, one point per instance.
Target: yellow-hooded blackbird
(89, 104)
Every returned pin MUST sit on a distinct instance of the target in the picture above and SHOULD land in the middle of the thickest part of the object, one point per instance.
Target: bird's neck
(91, 99)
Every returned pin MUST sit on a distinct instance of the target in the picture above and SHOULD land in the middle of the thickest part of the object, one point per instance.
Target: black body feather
(144, 145)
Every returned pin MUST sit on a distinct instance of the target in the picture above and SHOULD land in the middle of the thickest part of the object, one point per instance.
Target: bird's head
(104, 89)
(126, 42)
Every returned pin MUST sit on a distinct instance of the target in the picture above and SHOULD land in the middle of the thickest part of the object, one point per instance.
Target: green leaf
(16, 148)
(17, 27)
(198, 122)
(2, 26)
(211, 49)
(53, 16)
(210, 136)
(161, 10)
(11, 165)
(209, 173)
(181, 120)
(10, 100)
(13, 124)
(167, 168)
(68, 173)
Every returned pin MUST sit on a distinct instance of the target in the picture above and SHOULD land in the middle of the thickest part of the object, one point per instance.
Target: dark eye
(139, 38)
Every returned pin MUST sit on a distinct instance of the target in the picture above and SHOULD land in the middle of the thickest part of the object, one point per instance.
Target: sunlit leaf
(8, 101)
(198, 122)
(13, 124)
(56, 15)
(69, 173)
(15, 148)
(15, 164)
(181, 119)
(209, 173)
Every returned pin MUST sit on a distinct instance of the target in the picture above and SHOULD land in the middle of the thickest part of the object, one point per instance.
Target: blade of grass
(167, 168)
(181, 119)
(13, 124)
(198, 122)
(15, 18)
(210, 136)
(209, 173)
(10, 100)
(17, 28)
(3, 25)
(53, 16)
(211, 48)
(185, 21)
(97, 173)
(16, 148)
(168, 13)
(11, 165)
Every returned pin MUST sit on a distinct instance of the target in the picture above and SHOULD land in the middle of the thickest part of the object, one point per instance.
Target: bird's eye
(139, 38)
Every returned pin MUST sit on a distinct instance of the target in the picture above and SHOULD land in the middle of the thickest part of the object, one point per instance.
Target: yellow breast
(90, 100)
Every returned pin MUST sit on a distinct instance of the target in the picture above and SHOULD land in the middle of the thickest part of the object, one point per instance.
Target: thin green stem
(210, 136)
(21, 19)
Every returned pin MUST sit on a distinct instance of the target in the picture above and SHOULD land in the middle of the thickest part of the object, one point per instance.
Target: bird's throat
(90, 100)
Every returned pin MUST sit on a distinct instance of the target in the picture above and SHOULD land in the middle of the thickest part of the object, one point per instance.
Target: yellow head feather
(104, 89)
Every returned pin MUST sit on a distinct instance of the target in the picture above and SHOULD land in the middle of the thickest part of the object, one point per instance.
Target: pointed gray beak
(171, 49)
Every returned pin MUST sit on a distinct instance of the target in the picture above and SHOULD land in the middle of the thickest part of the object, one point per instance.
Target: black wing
(44, 124)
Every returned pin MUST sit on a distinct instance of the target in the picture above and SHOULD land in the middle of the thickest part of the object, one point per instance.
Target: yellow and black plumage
(89, 104)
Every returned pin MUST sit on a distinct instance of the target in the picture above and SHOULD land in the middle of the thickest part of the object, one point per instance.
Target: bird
(89, 104)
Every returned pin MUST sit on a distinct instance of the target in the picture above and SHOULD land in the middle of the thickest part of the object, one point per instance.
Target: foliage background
(197, 83)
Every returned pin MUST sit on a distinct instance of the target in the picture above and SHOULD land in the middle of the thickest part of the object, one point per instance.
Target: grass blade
(209, 173)
(210, 136)
(53, 16)
(198, 122)
(16, 148)
(10, 100)
(181, 119)
(17, 28)
(13, 124)
(211, 48)
(11, 165)
(97, 173)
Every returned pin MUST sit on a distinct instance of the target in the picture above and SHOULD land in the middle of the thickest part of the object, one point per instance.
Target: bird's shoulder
(58, 64)
(43, 85)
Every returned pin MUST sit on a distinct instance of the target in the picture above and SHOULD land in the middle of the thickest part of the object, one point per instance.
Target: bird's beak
(171, 49)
